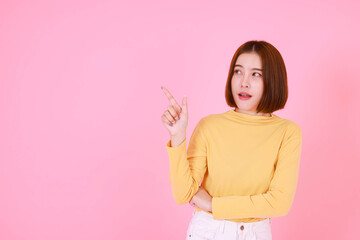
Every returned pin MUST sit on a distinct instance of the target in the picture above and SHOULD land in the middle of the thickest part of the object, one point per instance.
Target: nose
(245, 82)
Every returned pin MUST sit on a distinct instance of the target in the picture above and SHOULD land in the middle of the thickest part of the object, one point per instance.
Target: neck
(253, 113)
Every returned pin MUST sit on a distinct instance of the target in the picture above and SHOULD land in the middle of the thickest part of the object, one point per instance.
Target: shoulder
(207, 122)
(292, 129)
(210, 119)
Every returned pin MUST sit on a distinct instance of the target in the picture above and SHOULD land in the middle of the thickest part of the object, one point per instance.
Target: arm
(278, 199)
(187, 168)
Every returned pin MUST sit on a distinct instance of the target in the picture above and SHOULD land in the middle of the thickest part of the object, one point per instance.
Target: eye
(236, 71)
(257, 73)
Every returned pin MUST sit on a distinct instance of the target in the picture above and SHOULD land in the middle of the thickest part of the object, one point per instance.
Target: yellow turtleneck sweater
(249, 164)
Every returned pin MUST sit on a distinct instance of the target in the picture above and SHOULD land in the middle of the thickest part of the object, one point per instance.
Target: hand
(202, 199)
(175, 118)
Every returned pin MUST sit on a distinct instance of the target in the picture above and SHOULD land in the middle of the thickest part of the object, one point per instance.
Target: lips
(244, 98)
(244, 94)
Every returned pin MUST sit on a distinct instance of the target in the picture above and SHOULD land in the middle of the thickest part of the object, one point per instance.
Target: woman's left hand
(202, 199)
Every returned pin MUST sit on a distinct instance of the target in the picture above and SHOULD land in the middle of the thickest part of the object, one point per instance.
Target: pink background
(82, 146)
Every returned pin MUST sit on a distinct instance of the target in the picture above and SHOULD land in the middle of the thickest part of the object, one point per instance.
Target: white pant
(203, 226)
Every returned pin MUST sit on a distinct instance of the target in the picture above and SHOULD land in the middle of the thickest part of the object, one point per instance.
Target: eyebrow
(251, 69)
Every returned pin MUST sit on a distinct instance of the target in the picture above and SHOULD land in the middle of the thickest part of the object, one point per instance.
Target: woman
(246, 159)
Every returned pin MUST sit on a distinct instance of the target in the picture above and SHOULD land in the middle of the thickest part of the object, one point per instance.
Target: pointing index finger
(171, 99)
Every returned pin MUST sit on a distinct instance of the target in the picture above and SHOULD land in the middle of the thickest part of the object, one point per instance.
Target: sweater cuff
(223, 207)
(178, 148)
(216, 209)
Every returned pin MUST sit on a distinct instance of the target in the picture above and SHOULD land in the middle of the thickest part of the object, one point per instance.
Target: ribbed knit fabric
(249, 164)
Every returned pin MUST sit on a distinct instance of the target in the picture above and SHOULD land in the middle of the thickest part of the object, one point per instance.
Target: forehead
(249, 60)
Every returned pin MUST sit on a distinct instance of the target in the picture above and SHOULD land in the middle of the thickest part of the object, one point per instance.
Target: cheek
(233, 87)
(235, 83)
(259, 87)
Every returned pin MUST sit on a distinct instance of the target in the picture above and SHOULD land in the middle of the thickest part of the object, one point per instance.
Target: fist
(202, 199)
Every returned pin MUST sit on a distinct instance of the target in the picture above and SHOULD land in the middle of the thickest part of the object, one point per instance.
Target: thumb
(184, 104)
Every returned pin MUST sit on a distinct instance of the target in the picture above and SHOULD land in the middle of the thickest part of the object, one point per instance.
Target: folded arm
(278, 199)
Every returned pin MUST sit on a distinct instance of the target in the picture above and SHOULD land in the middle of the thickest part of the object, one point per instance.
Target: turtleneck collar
(252, 119)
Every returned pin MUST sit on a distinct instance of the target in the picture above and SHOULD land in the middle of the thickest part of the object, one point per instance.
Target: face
(248, 78)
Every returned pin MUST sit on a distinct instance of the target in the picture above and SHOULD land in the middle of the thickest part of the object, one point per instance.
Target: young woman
(241, 166)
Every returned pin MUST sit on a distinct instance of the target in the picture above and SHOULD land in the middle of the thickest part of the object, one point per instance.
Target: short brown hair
(274, 76)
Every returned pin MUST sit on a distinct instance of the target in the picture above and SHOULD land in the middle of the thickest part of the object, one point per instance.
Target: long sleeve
(278, 199)
(187, 168)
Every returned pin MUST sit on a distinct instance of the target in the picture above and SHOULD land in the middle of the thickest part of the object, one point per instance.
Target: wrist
(177, 140)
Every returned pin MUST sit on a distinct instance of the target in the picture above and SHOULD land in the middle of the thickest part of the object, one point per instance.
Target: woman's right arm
(187, 167)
